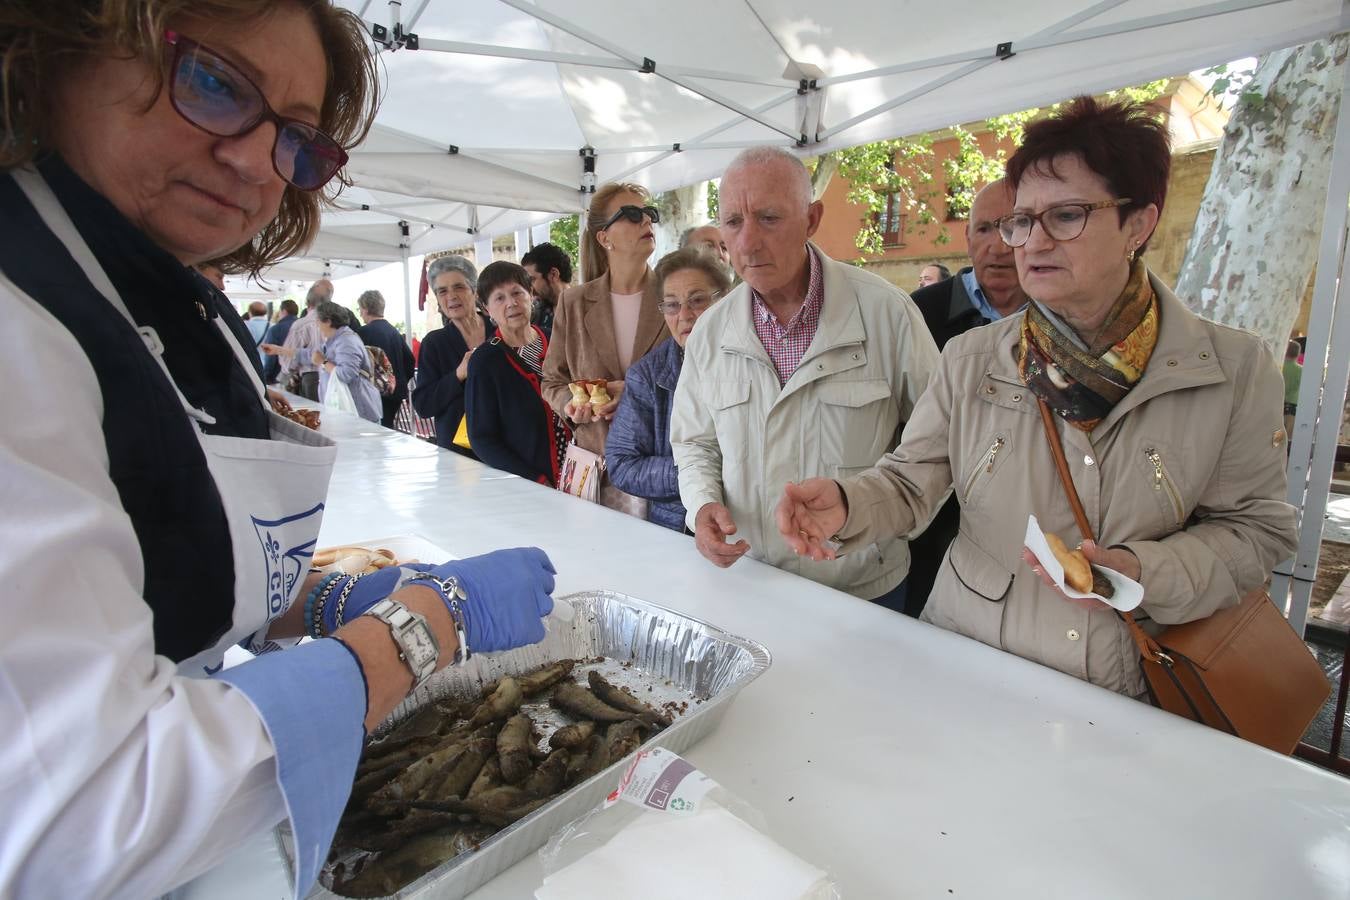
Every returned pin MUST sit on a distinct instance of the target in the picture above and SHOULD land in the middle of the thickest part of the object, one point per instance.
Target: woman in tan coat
(605, 325)
(1171, 424)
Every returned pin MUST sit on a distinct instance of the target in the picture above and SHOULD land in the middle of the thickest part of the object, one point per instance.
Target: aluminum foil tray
(644, 645)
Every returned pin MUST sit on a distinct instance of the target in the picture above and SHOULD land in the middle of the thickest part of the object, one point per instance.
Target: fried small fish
(502, 702)
(618, 698)
(573, 698)
(460, 772)
(409, 861)
(513, 748)
(623, 738)
(490, 776)
(544, 677)
(548, 779)
(574, 735)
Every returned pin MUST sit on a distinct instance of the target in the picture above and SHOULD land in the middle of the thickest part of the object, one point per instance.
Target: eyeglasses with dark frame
(695, 303)
(1062, 222)
(210, 92)
(633, 214)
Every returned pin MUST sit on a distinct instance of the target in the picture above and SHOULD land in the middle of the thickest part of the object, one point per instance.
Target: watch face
(420, 644)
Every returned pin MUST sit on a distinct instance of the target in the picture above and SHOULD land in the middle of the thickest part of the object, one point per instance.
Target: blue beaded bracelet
(314, 592)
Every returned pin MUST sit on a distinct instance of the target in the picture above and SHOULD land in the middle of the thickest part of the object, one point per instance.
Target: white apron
(273, 491)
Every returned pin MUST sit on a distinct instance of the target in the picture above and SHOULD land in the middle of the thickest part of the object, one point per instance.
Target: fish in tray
(449, 777)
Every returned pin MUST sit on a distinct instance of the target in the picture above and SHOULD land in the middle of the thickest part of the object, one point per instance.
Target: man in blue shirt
(985, 291)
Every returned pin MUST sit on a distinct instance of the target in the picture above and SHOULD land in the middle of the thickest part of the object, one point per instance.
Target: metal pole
(405, 247)
(1321, 397)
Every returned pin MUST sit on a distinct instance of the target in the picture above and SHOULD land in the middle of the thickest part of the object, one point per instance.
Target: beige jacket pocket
(969, 594)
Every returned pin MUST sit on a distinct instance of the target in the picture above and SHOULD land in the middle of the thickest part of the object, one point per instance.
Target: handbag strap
(1148, 647)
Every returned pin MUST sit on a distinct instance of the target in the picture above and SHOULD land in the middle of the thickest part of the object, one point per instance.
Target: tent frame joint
(1005, 50)
(648, 65)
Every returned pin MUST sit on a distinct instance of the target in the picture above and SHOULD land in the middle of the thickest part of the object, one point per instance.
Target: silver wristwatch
(417, 645)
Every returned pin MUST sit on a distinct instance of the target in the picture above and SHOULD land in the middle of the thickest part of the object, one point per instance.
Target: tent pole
(405, 247)
(1312, 451)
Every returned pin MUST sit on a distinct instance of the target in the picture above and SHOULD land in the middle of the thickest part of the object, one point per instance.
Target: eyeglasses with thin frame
(696, 303)
(1062, 222)
(212, 94)
(633, 214)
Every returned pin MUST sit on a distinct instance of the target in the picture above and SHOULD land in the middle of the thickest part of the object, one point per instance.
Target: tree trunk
(826, 166)
(1256, 236)
(681, 209)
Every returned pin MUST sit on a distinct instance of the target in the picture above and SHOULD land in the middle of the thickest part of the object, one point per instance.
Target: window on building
(891, 221)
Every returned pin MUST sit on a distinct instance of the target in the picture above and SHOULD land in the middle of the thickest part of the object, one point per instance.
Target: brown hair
(41, 39)
(696, 258)
(594, 259)
(497, 274)
(1123, 142)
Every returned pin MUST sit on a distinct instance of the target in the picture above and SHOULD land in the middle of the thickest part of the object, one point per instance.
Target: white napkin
(710, 855)
(1129, 593)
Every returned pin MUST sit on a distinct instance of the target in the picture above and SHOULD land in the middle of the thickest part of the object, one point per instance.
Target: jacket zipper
(986, 464)
(1160, 480)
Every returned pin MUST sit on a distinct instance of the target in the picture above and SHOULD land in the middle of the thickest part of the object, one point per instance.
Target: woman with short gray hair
(443, 365)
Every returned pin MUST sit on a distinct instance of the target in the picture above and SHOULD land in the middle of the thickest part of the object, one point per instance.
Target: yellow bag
(461, 438)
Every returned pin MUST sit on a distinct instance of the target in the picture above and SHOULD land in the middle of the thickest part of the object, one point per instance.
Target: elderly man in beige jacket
(808, 368)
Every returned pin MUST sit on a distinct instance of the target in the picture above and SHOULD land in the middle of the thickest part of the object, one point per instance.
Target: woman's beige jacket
(1187, 471)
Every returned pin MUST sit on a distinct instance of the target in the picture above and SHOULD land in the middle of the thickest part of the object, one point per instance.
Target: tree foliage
(904, 167)
(563, 233)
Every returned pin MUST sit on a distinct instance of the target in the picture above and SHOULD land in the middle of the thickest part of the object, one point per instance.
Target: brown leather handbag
(1242, 670)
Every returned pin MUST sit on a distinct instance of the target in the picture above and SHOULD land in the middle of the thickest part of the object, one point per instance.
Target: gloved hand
(507, 597)
(366, 591)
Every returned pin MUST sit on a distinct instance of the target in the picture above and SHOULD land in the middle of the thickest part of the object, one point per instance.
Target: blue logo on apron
(288, 546)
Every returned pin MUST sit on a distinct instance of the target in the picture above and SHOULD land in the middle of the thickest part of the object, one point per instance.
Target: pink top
(627, 308)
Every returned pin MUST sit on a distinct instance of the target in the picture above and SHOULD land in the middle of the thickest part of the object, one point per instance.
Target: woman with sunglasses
(603, 326)
(1171, 425)
(638, 456)
(153, 510)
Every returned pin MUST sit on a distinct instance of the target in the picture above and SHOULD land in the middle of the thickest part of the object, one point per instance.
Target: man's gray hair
(372, 302)
(452, 263)
(776, 156)
(318, 291)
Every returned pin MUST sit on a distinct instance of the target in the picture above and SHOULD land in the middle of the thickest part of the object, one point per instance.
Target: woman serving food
(1132, 378)
(153, 510)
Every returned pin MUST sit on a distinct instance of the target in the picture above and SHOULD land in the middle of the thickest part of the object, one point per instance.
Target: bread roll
(1077, 572)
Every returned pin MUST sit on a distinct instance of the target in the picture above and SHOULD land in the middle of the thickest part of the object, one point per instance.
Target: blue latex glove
(365, 593)
(508, 597)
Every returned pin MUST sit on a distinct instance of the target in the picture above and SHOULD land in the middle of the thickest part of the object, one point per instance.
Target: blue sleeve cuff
(312, 700)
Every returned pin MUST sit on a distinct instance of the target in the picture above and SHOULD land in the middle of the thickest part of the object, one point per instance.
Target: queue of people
(803, 417)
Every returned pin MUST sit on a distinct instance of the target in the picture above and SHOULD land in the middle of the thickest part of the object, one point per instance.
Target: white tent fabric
(483, 125)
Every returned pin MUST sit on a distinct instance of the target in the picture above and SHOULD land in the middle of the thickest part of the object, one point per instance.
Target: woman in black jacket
(443, 364)
(510, 426)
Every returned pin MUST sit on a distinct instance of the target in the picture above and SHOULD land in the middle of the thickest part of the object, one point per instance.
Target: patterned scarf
(1083, 386)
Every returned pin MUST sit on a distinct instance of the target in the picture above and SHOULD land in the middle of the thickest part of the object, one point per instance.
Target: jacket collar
(666, 362)
(960, 304)
(840, 321)
(598, 320)
(1184, 356)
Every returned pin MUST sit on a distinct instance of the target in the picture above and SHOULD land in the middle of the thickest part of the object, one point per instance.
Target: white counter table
(908, 761)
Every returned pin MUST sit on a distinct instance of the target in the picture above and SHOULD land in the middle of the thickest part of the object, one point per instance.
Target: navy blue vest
(154, 458)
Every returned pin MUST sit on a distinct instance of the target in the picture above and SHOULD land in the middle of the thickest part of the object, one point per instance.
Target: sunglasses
(633, 214)
(212, 94)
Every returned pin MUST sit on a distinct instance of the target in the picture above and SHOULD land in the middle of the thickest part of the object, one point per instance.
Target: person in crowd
(256, 323)
(212, 273)
(156, 511)
(550, 273)
(810, 367)
(604, 325)
(985, 291)
(637, 452)
(511, 427)
(443, 362)
(276, 336)
(377, 332)
(1292, 373)
(933, 273)
(1129, 377)
(298, 374)
(709, 238)
(342, 357)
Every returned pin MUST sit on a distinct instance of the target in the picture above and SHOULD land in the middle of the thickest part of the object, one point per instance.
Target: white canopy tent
(500, 115)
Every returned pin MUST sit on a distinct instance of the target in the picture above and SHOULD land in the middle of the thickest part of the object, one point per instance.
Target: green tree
(712, 201)
(903, 167)
(563, 233)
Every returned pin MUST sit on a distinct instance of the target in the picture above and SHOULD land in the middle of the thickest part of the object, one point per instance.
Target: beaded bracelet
(322, 586)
